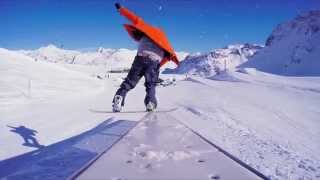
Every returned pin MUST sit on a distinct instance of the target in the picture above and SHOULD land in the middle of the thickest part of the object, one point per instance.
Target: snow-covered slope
(292, 49)
(270, 122)
(24, 80)
(216, 61)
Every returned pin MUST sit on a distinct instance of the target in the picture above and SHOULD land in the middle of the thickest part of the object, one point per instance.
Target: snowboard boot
(150, 106)
(117, 101)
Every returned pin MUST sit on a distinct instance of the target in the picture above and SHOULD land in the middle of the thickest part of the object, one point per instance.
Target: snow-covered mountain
(292, 49)
(218, 60)
(51, 53)
(112, 59)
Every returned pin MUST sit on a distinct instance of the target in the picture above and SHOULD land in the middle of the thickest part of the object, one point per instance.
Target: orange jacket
(155, 34)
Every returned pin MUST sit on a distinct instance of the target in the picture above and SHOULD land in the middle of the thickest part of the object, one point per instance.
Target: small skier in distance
(154, 50)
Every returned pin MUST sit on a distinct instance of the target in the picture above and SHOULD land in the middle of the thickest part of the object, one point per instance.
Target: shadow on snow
(60, 160)
(28, 136)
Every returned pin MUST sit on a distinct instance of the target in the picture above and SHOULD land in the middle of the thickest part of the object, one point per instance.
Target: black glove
(118, 6)
(166, 54)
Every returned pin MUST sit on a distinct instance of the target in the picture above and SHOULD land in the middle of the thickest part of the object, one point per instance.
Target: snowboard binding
(150, 107)
(117, 103)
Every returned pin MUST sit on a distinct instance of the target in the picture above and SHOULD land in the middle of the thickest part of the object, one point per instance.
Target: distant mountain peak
(308, 14)
(306, 24)
(50, 46)
(215, 61)
(293, 48)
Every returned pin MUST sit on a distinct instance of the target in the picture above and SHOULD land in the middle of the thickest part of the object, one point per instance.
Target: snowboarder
(154, 50)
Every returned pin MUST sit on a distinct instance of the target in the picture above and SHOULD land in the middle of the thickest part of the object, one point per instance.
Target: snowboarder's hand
(166, 54)
(118, 6)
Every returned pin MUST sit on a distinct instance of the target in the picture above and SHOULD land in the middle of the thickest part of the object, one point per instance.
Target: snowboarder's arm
(175, 60)
(128, 14)
(163, 61)
(11, 127)
(34, 131)
(14, 129)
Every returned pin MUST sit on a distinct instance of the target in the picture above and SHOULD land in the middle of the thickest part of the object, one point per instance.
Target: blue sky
(191, 25)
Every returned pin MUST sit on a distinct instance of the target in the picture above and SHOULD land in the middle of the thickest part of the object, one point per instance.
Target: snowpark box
(160, 147)
(60, 160)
